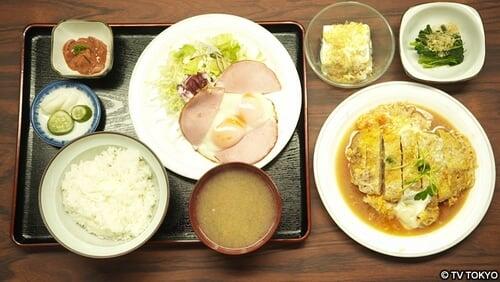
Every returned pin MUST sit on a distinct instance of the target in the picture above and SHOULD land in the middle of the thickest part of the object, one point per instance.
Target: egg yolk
(228, 132)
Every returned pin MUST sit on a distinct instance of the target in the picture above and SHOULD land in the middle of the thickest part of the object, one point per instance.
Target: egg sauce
(235, 209)
(354, 197)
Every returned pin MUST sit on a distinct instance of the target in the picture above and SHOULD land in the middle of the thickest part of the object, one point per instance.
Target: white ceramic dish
(74, 29)
(161, 132)
(63, 228)
(328, 145)
(471, 29)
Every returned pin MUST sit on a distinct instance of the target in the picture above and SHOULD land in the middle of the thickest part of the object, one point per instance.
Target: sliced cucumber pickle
(81, 113)
(60, 123)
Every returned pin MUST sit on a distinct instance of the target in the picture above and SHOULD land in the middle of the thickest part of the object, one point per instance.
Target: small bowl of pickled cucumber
(63, 111)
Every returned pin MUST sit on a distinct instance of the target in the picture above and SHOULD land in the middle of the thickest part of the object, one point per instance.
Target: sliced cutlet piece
(355, 154)
(409, 153)
(431, 150)
(363, 154)
(460, 166)
(393, 186)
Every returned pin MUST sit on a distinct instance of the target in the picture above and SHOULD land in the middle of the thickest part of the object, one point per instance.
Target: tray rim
(162, 242)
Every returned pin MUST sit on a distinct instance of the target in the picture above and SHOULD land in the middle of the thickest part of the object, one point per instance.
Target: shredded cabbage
(211, 57)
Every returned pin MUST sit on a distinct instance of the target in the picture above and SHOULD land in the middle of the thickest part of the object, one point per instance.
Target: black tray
(288, 170)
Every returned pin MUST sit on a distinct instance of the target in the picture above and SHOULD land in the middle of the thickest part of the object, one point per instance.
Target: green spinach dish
(439, 47)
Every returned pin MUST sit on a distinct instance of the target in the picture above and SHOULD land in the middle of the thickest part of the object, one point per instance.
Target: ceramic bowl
(75, 29)
(471, 30)
(200, 185)
(39, 119)
(382, 38)
(63, 228)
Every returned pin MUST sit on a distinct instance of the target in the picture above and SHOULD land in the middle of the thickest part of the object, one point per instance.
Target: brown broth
(354, 197)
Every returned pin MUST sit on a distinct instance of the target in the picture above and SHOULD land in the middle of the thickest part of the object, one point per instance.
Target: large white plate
(160, 131)
(328, 145)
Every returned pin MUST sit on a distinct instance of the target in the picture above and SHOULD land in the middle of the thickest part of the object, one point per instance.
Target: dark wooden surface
(328, 254)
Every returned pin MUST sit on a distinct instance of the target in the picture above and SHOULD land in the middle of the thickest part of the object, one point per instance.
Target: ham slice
(248, 76)
(198, 114)
(254, 146)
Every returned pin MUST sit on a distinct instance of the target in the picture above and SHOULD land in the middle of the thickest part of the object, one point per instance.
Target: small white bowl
(75, 29)
(63, 228)
(471, 30)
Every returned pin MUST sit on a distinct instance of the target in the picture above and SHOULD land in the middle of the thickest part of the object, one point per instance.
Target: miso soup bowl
(194, 201)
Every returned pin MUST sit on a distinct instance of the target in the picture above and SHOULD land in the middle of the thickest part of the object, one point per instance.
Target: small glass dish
(382, 38)
(74, 30)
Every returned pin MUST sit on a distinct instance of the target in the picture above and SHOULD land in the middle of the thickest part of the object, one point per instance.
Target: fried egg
(237, 116)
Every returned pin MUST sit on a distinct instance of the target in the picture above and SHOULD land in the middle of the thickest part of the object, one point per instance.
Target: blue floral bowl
(39, 118)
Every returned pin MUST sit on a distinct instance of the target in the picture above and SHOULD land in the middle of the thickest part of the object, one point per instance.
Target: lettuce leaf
(228, 47)
(211, 58)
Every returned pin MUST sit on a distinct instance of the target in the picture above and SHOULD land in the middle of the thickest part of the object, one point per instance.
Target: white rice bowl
(121, 232)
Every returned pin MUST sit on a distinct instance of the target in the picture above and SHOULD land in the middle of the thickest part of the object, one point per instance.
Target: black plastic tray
(288, 170)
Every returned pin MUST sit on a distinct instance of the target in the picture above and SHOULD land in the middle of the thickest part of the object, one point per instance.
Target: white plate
(342, 119)
(471, 29)
(161, 132)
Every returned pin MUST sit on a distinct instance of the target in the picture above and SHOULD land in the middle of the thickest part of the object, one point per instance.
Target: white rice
(112, 196)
